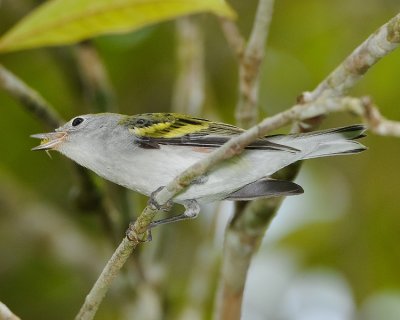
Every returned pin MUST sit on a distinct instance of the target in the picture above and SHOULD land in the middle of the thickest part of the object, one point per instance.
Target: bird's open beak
(49, 140)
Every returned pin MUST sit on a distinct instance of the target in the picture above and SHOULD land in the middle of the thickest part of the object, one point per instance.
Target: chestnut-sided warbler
(146, 151)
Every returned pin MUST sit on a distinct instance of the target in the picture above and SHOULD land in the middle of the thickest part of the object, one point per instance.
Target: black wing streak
(209, 142)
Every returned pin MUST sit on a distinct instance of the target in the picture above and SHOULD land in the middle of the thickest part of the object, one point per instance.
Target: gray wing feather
(266, 188)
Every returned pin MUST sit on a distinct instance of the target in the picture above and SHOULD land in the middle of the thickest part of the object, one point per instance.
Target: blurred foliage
(61, 22)
(50, 253)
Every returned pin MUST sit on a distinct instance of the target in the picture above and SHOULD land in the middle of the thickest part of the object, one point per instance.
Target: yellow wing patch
(170, 125)
(183, 130)
(151, 130)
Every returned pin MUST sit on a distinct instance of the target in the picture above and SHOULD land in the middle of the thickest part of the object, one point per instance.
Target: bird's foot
(192, 209)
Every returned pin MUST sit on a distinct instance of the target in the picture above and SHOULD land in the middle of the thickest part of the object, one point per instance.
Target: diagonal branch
(233, 36)
(30, 99)
(351, 70)
(93, 74)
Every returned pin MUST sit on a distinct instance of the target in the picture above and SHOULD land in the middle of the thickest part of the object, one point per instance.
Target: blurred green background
(329, 254)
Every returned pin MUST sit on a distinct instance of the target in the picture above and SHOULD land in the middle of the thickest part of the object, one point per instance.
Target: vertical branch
(242, 240)
(250, 66)
(250, 220)
(188, 95)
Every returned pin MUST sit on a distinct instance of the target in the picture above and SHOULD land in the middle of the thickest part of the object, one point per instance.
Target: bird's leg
(192, 209)
(154, 205)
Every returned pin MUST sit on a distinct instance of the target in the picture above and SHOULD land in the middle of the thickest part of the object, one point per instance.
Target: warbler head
(85, 134)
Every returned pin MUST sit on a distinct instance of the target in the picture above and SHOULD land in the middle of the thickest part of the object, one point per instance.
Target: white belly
(145, 170)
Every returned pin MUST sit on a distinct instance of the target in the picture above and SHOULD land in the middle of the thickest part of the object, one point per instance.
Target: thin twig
(350, 71)
(376, 122)
(94, 78)
(30, 99)
(362, 107)
(233, 36)
(138, 231)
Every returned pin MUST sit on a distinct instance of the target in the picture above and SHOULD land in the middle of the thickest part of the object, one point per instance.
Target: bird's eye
(140, 121)
(77, 122)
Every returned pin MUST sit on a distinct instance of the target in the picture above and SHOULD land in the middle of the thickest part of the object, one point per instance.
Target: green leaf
(60, 22)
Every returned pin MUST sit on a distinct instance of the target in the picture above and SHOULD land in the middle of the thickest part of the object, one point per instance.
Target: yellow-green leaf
(60, 22)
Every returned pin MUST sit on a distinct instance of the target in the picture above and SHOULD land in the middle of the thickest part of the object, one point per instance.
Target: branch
(376, 122)
(250, 57)
(362, 107)
(94, 78)
(233, 36)
(345, 76)
(250, 66)
(30, 99)
(237, 255)
(242, 240)
(350, 71)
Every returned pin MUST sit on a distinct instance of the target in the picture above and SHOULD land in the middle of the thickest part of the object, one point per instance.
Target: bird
(144, 152)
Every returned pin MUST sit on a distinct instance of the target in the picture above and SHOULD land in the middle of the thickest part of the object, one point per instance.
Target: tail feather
(352, 132)
(324, 143)
(336, 148)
